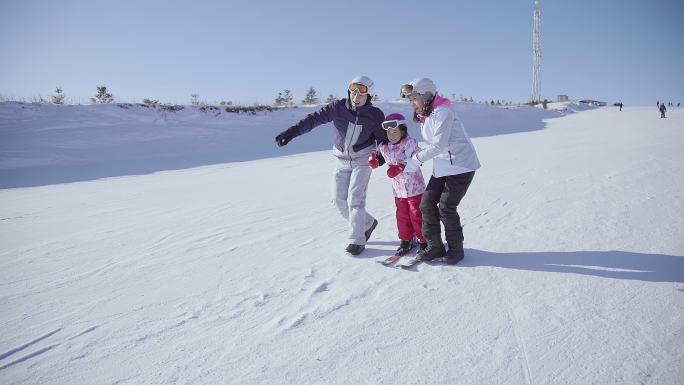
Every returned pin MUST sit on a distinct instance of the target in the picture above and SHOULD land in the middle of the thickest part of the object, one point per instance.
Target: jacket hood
(440, 101)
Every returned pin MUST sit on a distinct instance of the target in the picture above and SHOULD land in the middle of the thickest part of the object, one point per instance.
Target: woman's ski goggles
(406, 90)
(392, 124)
(358, 88)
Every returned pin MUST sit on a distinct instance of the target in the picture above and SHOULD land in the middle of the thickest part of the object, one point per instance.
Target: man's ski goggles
(406, 90)
(358, 88)
(390, 124)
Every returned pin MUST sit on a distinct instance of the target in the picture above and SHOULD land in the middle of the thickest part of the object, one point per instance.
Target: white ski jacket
(449, 145)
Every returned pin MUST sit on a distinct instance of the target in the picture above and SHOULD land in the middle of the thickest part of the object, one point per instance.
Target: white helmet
(423, 86)
(366, 81)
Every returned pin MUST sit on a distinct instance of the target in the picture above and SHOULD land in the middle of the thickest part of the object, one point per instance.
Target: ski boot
(454, 255)
(455, 242)
(405, 247)
(355, 249)
(432, 251)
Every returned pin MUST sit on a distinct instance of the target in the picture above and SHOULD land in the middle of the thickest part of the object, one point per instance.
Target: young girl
(408, 186)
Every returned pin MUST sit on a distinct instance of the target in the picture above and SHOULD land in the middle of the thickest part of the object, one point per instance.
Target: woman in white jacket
(454, 162)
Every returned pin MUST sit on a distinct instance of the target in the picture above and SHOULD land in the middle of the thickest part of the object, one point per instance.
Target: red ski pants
(409, 218)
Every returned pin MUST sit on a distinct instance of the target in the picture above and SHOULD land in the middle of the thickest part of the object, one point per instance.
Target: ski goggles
(359, 88)
(406, 90)
(392, 124)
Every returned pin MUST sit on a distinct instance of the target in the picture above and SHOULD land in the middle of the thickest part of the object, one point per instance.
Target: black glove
(286, 136)
(383, 137)
(381, 159)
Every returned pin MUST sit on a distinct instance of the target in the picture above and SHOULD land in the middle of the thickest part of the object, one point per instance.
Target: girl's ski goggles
(358, 88)
(390, 124)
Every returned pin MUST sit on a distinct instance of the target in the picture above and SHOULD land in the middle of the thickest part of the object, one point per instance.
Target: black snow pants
(440, 201)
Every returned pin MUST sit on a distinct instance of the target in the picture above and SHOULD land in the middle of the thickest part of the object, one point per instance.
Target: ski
(390, 260)
(410, 263)
(399, 253)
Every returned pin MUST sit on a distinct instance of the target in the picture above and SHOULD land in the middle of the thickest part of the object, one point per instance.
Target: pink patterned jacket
(406, 184)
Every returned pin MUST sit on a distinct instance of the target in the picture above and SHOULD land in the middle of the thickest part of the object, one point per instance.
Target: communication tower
(536, 53)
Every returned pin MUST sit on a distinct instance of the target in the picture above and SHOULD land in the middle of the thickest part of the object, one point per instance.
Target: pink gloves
(373, 161)
(395, 169)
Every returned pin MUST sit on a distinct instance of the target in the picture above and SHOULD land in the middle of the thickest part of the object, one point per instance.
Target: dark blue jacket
(357, 130)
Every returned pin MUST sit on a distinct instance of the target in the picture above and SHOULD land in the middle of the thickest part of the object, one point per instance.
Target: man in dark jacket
(358, 126)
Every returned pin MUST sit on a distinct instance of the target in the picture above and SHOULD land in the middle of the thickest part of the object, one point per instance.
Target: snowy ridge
(48, 144)
(235, 272)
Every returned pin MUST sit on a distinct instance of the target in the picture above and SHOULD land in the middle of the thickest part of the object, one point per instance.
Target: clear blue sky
(248, 51)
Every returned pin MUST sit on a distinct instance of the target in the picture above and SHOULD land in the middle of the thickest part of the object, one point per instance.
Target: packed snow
(149, 247)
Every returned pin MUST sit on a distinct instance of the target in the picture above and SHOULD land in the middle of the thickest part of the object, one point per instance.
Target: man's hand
(286, 136)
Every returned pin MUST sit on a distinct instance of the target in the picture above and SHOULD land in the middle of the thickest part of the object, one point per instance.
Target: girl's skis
(409, 263)
(390, 260)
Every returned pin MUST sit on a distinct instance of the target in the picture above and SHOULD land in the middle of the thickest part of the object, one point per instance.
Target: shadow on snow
(605, 264)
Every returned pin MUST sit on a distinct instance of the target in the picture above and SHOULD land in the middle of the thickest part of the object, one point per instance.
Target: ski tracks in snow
(11, 358)
(513, 311)
(515, 326)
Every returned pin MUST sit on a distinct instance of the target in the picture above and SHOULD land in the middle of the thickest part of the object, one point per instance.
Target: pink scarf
(436, 102)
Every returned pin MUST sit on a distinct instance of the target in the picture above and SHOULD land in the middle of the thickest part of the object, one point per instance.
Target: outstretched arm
(322, 116)
(315, 119)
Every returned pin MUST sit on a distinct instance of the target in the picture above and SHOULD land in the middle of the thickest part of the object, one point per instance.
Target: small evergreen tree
(545, 104)
(38, 99)
(102, 97)
(310, 97)
(331, 98)
(289, 99)
(150, 102)
(375, 98)
(58, 97)
(194, 100)
(284, 99)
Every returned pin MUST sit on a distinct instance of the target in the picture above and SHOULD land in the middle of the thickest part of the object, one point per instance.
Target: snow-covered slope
(235, 272)
(47, 144)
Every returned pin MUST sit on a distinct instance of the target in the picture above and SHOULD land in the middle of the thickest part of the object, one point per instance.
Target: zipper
(356, 121)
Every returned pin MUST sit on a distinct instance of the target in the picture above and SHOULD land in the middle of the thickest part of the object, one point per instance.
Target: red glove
(395, 169)
(373, 161)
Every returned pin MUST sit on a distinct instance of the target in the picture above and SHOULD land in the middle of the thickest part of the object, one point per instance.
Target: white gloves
(412, 164)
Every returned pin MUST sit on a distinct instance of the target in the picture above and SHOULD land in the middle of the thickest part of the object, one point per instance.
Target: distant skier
(358, 126)
(662, 110)
(408, 187)
(454, 162)
(620, 105)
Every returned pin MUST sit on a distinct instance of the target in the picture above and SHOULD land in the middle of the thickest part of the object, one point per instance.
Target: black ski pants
(440, 201)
